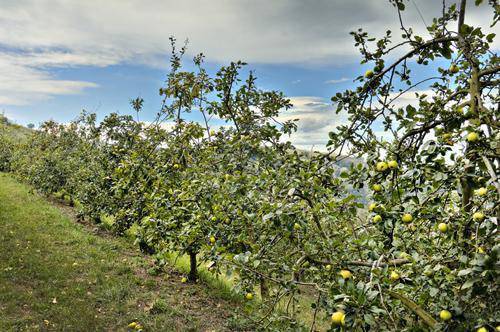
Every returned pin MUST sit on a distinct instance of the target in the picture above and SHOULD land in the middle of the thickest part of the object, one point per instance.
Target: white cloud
(339, 80)
(279, 31)
(24, 80)
(398, 99)
(317, 118)
(61, 33)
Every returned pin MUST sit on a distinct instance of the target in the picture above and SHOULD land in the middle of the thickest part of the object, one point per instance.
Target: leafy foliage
(249, 204)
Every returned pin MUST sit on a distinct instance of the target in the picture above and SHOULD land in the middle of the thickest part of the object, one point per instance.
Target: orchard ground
(57, 275)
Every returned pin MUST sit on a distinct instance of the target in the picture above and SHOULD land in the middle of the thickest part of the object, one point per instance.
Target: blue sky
(59, 57)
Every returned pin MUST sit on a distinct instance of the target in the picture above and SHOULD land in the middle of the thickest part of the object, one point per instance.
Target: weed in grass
(159, 306)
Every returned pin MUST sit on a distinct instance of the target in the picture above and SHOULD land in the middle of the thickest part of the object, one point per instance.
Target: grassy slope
(55, 270)
(12, 130)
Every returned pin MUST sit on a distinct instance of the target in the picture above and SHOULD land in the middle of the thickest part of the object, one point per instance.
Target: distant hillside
(13, 131)
(345, 162)
(10, 135)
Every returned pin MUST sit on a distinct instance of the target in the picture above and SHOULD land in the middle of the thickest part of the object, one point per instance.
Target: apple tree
(431, 167)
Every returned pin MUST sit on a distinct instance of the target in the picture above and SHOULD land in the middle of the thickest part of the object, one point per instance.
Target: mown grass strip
(57, 275)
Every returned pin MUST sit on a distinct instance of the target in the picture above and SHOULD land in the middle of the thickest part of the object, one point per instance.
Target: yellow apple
(346, 274)
(372, 207)
(377, 188)
(381, 166)
(481, 191)
(377, 218)
(472, 137)
(392, 164)
(443, 227)
(407, 218)
(445, 315)
(394, 276)
(249, 296)
(453, 69)
(369, 73)
(338, 318)
(478, 216)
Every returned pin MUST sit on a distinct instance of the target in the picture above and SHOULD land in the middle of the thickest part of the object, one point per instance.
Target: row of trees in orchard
(421, 255)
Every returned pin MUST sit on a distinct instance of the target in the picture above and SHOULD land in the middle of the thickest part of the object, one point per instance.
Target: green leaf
(468, 284)
(464, 272)
(268, 216)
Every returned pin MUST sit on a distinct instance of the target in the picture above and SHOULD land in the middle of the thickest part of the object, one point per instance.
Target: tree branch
(393, 262)
(410, 54)
(424, 315)
(492, 70)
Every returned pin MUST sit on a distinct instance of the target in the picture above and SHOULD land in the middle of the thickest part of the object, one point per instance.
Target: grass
(221, 286)
(218, 285)
(14, 131)
(57, 275)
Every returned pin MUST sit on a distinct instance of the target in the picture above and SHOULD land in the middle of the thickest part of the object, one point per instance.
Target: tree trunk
(466, 182)
(193, 273)
(461, 15)
(264, 289)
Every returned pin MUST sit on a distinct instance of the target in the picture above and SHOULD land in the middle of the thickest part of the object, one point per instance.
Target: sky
(58, 57)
